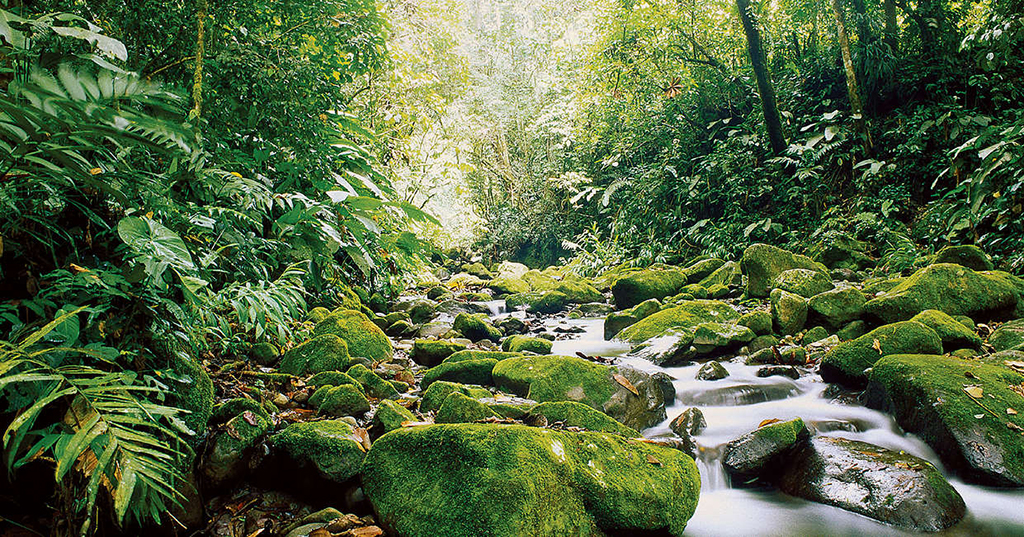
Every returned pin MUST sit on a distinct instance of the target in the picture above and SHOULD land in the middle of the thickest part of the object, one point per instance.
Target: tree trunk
(890, 24)
(772, 121)
(197, 74)
(863, 25)
(851, 76)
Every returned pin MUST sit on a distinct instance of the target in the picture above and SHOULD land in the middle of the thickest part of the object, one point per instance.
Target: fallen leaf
(653, 460)
(625, 383)
(768, 421)
(1011, 411)
(259, 532)
(230, 428)
(979, 416)
(363, 436)
(970, 375)
(322, 532)
(877, 345)
(1014, 426)
(249, 418)
(974, 391)
(365, 531)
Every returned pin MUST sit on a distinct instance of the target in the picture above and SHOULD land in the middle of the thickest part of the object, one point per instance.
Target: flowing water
(737, 404)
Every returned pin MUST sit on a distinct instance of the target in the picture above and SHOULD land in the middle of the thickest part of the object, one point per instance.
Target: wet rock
(762, 342)
(846, 363)
(959, 407)
(478, 270)
(664, 381)
(573, 414)
(439, 293)
(433, 330)
(578, 291)
(476, 327)
(615, 322)
(464, 279)
(712, 339)
(757, 455)
(712, 371)
(718, 291)
(892, 487)
(477, 479)
(778, 371)
(694, 290)
(852, 330)
(759, 321)
(438, 391)
(803, 282)
(681, 319)
(688, 423)
(968, 255)
(538, 301)
(605, 388)
(789, 311)
(775, 355)
(840, 251)
(646, 284)
(338, 401)
(326, 352)
(521, 343)
(388, 417)
(763, 263)
(401, 329)
(481, 355)
(593, 309)
(330, 447)
(952, 289)
(429, 353)
(954, 334)
(837, 307)
(512, 325)
(1008, 336)
(476, 371)
(421, 311)
(373, 384)
(817, 333)
(363, 337)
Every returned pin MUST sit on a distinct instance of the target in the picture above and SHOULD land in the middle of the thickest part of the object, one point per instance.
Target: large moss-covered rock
(331, 447)
(565, 378)
(520, 343)
(846, 362)
(341, 400)
(889, 486)
(702, 269)
(803, 282)
(374, 385)
(837, 250)
(959, 408)
(573, 414)
(615, 322)
(952, 289)
(438, 391)
(478, 270)
(548, 302)
(789, 311)
(362, 336)
(508, 286)
(727, 274)
(511, 269)
(755, 456)
(713, 339)
(759, 321)
(481, 355)
(967, 255)
(476, 327)
(429, 353)
(837, 307)
(461, 371)
(194, 391)
(390, 416)
(579, 291)
(231, 447)
(1008, 336)
(953, 333)
(637, 287)
(469, 480)
(326, 352)
(763, 263)
(459, 408)
(683, 318)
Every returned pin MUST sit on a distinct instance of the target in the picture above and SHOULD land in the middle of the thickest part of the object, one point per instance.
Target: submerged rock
(892, 487)
(847, 362)
(501, 480)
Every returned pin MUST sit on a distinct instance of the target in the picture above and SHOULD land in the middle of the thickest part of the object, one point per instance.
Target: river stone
(478, 270)
(681, 319)
(326, 352)
(837, 307)
(889, 486)
(689, 422)
(852, 330)
(401, 329)
(464, 279)
(952, 289)
(476, 327)
(231, 447)
(763, 263)
(637, 287)
(430, 330)
(330, 447)
(474, 354)
(789, 311)
(508, 286)
(702, 269)
(573, 414)
(804, 282)
(712, 371)
(759, 321)
(421, 311)
(593, 309)
(728, 274)
(817, 333)
(716, 338)
(363, 338)
(341, 400)
(567, 378)
(954, 334)
(467, 480)
(429, 353)
(778, 371)
(968, 255)
(519, 343)
(926, 394)
(756, 455)
(459, 408)
(846, 363)
(786, 355)
(388, 417)
(615, 322)
(1008, 336)
(840, 251)
(472, 371)
(511, 269)
(438, 391)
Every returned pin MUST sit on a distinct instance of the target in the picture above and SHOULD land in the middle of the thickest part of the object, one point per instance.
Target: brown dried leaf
(322, 532)
(1011, 411)
(970, 375)
(974, 391)
(249, 418)
(260, 531)
(768, 421)
(365, 531)
(363, 436)
(415, 423)
(877, 345)
(230, 428)
(625, 383)
(653, 460)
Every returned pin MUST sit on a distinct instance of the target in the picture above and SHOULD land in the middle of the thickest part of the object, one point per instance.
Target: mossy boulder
(695, 290)
(401, 329)
(1008, 336)
(374, 385)
(459, 408)
(511, 269)
(852, 330)
(194, 392)
(520, 343)
(954, 334)
(759, 321)
(330, 447)
(890, 486)
(548, 302)
(478, 270)
(683, 318)
(846, 362)
(615, 322)
(578, 291)
(573, 414)
(421, 311)
(332, 378)
(473, 354)
(231, 447)
(803, 282)
(438, 293)
(763, 263)
(565, 378)
(390, 416)
(593, 309)
(639, 286)
(339, 401)
(815, 334)
(363, 338)
(462, 371)
(837, 250)
(264, 353)
(468, 480)
(952, 289)
(969, 429)
(508, 286)
(463, 280)
(317, 314)
(755, 456)
(429, 353)
(837, 307)
(702, 269)
(728, 274)
(789, 311)
(967, 255)
(476, 327)
(326, 352)
(438, 391)
(712, 339)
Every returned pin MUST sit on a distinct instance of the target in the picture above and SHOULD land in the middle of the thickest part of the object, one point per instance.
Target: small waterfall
(497, 307)
(712, 473)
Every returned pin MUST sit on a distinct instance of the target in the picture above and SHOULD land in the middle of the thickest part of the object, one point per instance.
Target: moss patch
(438, 391)
(846, 362)
(952, 289)
(481, 355)
(682, 318)
(459, 408)
(329, 446)
(520, 343)
(573, 414)
(637, 287)
(326, 352)
(375, 386)
(954, 334)
(390, 416)
(763, 263)
(338, 401)
(429, 353)
(476, 327)
(363, 337)
(461, 371)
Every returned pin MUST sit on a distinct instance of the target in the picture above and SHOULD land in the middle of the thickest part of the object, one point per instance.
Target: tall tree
(851, 76)
(772, 120)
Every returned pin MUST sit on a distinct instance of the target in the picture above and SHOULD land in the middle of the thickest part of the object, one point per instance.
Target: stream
(737, 404)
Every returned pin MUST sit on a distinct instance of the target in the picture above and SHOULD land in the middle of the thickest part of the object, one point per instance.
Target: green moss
(953, 334)
(476, 327)
(718, 291)
(233, 407)
(421, 311)
(683, 318)
(228, 452)
(837, 307)
(317, 314)
(195, 393)
(481, 355)
(513, 408)
(264, 353)
(817, 333)
(789, 311)
(727, 274)
(520, 343)
(363, 337)
(462, 371)
(374, 385)
(967, 255)
(783, 432)
(538, 301)
(645, 309)
(468, 480)
(508, 286)
(873, 286)
(539, 281)
(390, 416)
(803, 282)
(637, 287)
(616, 322)
(714, 337)
(759, 321)
(330, 446)
(702, 269)
(343, 400)
(1008, 336)
(578, 291)
(695, 290)
(573, 414)
(332, 378)
(763, 263)
(478, 270)
(326, 352)
(458, 408)
(952, 289)
(429, 353)
(846, 362)
(438, 391)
